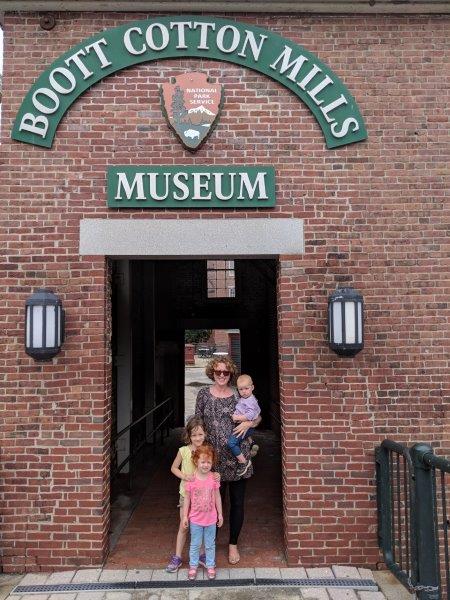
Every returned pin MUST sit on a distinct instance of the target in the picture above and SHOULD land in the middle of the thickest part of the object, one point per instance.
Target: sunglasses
(218, 372)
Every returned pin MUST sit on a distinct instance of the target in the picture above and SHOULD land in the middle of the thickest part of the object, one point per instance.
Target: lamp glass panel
(28, 331)
(50, 326)
(350, 324)
(337, 323)
(38, 313)
(360, 325)
(59, 326)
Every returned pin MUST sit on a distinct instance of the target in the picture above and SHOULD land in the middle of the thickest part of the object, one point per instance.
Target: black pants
(236, 491)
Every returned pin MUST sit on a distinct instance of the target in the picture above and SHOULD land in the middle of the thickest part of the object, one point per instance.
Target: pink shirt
(202, 510)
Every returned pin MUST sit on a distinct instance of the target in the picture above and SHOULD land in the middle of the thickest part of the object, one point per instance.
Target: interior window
(221, 278)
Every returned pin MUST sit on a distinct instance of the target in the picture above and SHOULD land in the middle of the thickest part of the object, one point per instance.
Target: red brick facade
(376, 218)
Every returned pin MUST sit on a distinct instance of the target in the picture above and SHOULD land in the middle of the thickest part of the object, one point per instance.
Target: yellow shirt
(187, 467)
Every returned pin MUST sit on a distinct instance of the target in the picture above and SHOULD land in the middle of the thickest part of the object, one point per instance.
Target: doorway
(154, 304)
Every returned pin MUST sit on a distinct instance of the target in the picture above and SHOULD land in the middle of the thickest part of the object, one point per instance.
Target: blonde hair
(244, 379)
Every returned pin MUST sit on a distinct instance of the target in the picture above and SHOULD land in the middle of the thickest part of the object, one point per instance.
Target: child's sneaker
(211, 572)
(174, 565)
(192, 573)
(243, 468)
(254, 450)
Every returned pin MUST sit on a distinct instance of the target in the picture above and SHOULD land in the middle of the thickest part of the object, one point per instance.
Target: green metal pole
(427, 543)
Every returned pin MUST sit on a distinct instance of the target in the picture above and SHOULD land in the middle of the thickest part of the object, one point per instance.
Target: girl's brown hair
(192, 424)
(224, 360)
(204, 450)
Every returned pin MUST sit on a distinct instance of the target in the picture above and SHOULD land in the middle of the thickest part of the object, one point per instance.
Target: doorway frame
(187, 239)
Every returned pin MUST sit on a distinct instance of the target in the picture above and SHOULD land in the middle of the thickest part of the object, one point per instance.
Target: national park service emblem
(191, 105)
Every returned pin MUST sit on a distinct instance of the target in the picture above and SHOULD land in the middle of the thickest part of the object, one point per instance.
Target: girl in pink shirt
(202, 510)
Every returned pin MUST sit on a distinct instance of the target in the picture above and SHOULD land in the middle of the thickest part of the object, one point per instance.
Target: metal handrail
(131, 425)
(408, 517)
(389, 518)
(137, 450)
(133, 454)
(436, 461)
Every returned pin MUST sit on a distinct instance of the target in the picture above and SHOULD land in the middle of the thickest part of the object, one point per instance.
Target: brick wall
(376, 218)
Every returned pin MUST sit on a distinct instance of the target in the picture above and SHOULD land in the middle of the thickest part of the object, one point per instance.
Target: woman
(215, 405)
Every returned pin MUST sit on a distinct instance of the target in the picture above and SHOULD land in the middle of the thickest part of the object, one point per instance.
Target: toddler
(247, 409)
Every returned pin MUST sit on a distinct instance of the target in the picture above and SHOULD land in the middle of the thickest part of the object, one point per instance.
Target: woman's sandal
(234, 558)
(192, 573)
(211, 572)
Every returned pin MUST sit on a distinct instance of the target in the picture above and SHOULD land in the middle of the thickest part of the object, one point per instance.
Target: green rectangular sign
(183, 186)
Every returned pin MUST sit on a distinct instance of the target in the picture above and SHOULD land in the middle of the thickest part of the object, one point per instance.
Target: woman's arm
(243, 427)
(239, 418)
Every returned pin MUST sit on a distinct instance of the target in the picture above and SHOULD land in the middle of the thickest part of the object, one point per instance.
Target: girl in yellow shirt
(194, 436)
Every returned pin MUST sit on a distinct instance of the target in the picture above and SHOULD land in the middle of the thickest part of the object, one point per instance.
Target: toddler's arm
(175, 468)
(246, 410)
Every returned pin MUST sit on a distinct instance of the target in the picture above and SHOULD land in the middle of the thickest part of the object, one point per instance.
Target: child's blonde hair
(244, 379)
(193, 423)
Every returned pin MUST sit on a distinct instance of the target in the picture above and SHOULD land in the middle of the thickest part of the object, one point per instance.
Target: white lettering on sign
(292, 69)
(197, 186)
(181, 185)
(46, 100)
(128, 189)
(289, 64)
(76, 59)
(220, 40)
(259, 183)
(163, 34)
(254, 47)
(218, 183)
(204, 33)
(227, 39)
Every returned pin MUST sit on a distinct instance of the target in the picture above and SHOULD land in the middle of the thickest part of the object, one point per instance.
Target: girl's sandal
(192, 573)
(211, 572)
(234, 558)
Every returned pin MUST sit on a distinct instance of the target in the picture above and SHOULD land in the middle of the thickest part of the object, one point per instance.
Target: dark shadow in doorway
(149, 536)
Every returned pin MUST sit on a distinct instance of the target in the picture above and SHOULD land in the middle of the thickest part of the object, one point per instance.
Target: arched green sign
(181, 37)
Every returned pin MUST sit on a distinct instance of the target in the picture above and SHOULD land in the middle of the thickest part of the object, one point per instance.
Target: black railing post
(427, 544)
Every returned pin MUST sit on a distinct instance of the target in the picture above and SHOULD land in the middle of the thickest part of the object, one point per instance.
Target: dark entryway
(154, 303)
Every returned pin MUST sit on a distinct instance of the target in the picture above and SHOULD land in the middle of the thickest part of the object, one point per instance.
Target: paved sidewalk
(255, 586)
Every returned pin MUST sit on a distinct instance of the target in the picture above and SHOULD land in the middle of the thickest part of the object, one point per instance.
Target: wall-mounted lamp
(345, 321)
(44, 325)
